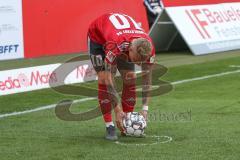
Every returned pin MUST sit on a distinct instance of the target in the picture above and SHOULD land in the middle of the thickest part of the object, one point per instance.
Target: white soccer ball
(134, 123)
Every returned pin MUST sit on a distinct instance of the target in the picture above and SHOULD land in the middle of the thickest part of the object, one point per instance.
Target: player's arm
(146, 86)
(110, 71)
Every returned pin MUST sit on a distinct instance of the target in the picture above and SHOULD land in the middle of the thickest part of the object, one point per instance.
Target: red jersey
(115, 32)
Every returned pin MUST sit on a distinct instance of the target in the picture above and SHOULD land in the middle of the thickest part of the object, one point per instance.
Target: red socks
(128, 100)
(128, 97)
(104, 102)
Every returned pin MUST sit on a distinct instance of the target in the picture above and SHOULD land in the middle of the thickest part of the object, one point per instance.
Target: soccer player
(116, 42)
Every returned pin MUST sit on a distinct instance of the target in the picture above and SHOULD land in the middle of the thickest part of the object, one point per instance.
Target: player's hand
(119, 115)
(144, 114)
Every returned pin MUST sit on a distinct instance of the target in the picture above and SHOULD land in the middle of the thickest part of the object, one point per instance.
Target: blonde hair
(143, 46)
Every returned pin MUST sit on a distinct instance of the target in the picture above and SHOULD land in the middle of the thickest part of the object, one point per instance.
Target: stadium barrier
(11, 31)
(207, 26)
(38, 77)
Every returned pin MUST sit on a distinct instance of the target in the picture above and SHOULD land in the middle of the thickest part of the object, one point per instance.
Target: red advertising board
(53, 27)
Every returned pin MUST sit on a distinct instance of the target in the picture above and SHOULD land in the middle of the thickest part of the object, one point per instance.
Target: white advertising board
(11, 29)
(35, 78)
(208, 28)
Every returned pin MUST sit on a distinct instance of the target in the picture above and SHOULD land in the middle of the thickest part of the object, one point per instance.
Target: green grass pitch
(202, 117)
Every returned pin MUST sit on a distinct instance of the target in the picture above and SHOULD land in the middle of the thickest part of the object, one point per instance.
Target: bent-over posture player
(116, 42)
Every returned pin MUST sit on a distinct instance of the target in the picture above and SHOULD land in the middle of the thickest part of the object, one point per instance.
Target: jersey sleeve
(111, 58)
(111, 52)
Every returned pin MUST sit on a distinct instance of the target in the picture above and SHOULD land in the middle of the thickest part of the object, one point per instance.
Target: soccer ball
(134, 124)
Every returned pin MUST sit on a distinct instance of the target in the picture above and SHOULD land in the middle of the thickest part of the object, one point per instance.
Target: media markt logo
(9, 84)
(12, 83)
(23, 79)
(33, 79)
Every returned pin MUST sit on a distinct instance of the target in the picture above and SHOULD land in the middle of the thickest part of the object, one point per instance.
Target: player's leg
(97, 58)
(127, 71)
(103, 99)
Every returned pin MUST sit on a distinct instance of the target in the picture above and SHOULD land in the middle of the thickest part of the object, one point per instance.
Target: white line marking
(234, 66)
(87, 99)
(205, 77)
(41, 108)
(168, 139)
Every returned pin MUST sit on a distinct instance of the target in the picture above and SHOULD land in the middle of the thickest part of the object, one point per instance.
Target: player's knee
(101, 77)
(129, 77)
